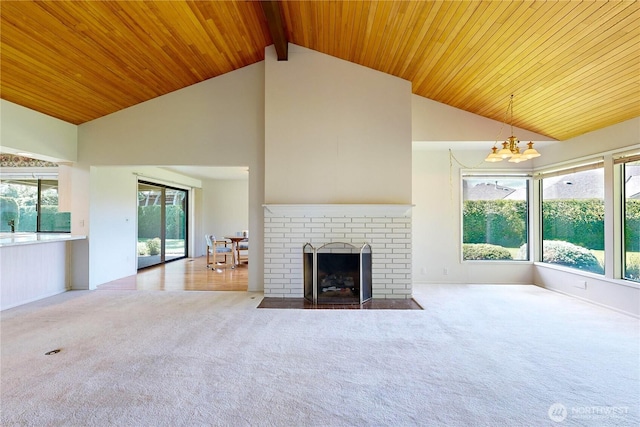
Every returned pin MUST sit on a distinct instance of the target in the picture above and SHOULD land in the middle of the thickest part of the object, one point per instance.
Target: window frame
(529, 233)
(620, 169)
(585, 165)
(38, 177)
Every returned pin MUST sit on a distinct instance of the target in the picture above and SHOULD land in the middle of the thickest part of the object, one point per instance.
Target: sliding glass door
(162, 224)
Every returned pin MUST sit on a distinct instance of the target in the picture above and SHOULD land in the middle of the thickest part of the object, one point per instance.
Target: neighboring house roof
(486, 191)
(632, 181)
(581, 185)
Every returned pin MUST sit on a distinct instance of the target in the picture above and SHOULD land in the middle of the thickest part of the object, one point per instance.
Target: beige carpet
(476, 355)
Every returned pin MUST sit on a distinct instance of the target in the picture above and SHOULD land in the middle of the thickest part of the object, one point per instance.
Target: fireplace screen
(337, 273)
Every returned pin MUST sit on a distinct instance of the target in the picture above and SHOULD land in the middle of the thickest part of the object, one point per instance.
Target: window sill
(497, 261)
(600, 277)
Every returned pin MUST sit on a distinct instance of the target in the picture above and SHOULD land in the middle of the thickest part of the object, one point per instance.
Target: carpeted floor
(475, 355)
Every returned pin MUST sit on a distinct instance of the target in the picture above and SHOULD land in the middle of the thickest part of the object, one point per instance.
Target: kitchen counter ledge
(21, 238)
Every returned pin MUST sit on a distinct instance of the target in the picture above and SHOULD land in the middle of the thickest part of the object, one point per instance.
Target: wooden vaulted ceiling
(573, 66)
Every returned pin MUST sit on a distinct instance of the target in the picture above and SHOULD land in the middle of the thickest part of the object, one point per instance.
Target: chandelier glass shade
(510, 147)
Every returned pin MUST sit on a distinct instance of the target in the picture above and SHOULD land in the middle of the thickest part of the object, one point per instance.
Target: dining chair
(244, 246)
(216, 248)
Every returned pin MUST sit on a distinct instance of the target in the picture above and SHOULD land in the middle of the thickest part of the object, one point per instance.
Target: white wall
(437, 225)
(218, 122)
(608, 139)
(335, 132)
(225, 208)
(434, 121)
(113, 213)
(25, 130)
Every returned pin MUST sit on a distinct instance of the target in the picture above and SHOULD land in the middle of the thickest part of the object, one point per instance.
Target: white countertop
(15, 239)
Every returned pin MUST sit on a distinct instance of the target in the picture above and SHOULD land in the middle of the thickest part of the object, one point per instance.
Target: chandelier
(510, 149)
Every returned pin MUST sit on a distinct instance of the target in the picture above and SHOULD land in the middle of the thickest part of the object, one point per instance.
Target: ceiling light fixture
(510, 149)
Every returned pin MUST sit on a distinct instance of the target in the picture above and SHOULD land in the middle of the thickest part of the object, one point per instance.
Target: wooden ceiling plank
(512, 63)
(509, 10)
(375, 39)
(626, 68)
(596, 100)
(551, 70)
(428, 48)
(487, 74)
(412, 54)
(400, 30)
(106, 88)
(582, 73)
(520, 83)
(415, 28)
(346, 31)
(452, 63)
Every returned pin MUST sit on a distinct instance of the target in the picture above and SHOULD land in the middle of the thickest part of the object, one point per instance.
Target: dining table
(235, 249)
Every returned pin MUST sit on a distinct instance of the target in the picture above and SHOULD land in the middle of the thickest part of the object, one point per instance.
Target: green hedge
(149, 222)
(632, 229)
(579, 221)
(26, 219)
(480, 251)
(497, 222)
(9, 211)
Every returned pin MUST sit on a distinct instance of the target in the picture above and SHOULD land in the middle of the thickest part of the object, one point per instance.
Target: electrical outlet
(423, 271)
(445, 271)
(581, 284)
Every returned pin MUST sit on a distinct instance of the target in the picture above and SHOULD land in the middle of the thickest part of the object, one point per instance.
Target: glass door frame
(162, 188)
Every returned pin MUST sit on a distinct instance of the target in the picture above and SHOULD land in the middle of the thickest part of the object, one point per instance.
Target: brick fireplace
(387, 228)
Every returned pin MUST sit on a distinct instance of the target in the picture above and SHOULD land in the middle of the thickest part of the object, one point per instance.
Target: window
(573, 218)
(31, 205)
(631, 209)
(495, 218)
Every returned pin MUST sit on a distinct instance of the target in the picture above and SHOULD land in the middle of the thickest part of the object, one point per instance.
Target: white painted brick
(355, 236)
(359, 230)
(361, 220)
(395, 246)
(380, 219)
(401, 240)
(280, 230)
(403, 219)
(320, 220)
(336, 237)
(275, 286)
(300, 220)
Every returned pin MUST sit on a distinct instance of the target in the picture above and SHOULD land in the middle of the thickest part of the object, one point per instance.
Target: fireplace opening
(337, 273)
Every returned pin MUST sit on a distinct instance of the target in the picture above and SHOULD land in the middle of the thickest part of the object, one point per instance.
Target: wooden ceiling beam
(271, 10)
